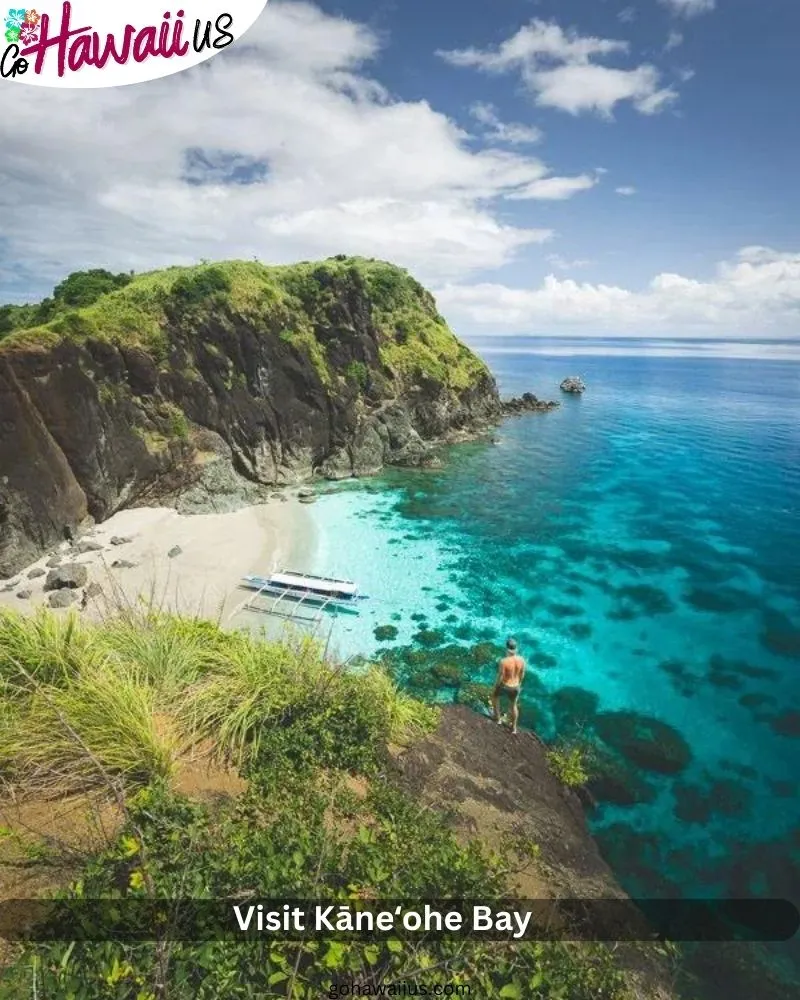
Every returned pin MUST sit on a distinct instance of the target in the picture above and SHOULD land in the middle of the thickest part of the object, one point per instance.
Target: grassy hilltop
(112, 387)
(290, 300)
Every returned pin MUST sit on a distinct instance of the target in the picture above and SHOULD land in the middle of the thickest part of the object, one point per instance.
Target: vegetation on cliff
(290, 301)
(81, 288)
(121, 386)
(120, 709)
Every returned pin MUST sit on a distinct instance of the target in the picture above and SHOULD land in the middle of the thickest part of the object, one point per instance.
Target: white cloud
(562, 264)
(626, 15)
(755, 294)
(626, 190)
(513, 133)
(689, 8)
(343, 165)
(673, 41)
(554, 188)
(559, 69)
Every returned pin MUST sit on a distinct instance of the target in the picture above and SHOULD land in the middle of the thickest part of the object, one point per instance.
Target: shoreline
(216, 551)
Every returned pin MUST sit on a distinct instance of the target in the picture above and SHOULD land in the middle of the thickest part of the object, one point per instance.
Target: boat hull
(308, 598)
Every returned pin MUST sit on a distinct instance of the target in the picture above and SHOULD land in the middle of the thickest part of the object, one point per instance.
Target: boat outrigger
(320, 592)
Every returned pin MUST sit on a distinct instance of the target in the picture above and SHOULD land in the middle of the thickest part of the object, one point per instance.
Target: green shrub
(196, 286)
(82, 288)
(569, 764)
(178, 424)
(308, 841)
(358, 372)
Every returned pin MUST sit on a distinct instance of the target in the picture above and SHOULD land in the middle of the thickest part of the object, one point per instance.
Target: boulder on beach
(70, 576)
(23, 595)
(62, 598)
(120, 540)
(573, 383)
(176, 550)
(35, 573)
(82, 548)
(123, 564)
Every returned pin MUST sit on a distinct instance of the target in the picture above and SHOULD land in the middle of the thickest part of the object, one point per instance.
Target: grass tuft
(106, 724)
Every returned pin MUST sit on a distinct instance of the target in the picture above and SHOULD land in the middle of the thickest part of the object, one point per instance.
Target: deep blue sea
(642, 542)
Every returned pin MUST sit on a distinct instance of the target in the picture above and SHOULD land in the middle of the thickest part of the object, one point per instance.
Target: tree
(82, 288)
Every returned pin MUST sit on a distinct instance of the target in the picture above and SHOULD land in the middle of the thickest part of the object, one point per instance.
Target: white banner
(107, 43)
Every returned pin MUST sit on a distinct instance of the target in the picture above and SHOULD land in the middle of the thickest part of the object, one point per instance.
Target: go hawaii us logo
(94, 43)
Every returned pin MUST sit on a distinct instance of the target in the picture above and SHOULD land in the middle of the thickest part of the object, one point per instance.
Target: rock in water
(123, 564)
(526, 403)
(23, 595)
(35, 573)
(573, 383)
(70, 576)
(62, 598)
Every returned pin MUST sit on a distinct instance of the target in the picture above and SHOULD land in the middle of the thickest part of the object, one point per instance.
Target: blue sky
(714, 172)
(401, 130)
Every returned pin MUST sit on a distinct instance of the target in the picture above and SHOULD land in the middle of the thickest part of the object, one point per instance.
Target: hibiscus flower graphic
(12, 35)
(32, 18)
(15, 19)
(28, 34)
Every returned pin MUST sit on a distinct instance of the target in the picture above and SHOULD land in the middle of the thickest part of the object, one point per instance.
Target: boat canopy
(318, 584)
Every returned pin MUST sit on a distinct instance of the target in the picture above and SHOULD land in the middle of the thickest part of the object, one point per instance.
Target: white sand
(217, 551)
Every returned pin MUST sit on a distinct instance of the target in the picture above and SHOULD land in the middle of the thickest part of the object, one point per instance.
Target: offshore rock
(573, 383)
(526, 403)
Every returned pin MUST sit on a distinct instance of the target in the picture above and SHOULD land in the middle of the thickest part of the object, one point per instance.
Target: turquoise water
(642, 542)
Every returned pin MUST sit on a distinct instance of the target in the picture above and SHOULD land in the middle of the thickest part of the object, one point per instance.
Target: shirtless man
(510, 675)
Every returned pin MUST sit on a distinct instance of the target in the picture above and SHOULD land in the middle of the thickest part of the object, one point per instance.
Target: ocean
(642, 544)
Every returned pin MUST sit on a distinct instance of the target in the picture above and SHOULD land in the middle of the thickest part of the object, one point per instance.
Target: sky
(546, 167)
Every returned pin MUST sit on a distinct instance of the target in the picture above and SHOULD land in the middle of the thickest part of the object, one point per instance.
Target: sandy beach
(215, 551)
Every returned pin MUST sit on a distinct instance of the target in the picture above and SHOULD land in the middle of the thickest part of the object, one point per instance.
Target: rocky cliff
(336, 368)
(500, 789)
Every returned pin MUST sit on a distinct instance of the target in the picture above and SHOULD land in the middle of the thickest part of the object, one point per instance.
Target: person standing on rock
(510, 675)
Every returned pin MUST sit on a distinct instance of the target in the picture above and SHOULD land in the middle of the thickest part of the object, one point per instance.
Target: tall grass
(249, 688)
(408, 719)
(168, 651)
(105, 724)
(126, 700)
(49, 648)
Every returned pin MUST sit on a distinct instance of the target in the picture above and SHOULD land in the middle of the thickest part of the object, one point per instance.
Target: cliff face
(499, 788)
(335, 369)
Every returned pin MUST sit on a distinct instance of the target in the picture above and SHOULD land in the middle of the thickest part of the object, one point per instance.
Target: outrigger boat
(322, 592)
